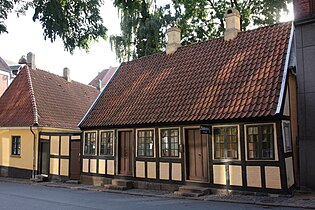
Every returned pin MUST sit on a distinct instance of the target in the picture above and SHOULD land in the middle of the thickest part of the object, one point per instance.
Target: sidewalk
(299, 200)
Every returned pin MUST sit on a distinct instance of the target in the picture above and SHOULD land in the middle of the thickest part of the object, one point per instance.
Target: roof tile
(59, 103)
(206, 81)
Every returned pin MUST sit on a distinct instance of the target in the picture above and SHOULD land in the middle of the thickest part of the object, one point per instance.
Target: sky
(27, 36)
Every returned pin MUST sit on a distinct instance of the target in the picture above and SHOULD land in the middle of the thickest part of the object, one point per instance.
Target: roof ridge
(210, 39)
(47, 71)
(31, 90)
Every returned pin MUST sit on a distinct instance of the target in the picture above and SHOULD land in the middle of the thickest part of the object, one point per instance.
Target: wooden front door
(75, 160)
(197, 155)
(125, 152)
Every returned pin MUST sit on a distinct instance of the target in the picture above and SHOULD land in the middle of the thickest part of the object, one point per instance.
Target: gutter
(34, 152)
(285, 71)
(99, 95)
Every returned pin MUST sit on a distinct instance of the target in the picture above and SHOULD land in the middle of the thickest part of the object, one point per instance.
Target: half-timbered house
(219, 113)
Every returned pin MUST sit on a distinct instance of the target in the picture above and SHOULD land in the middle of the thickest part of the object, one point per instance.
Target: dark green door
(44, 157)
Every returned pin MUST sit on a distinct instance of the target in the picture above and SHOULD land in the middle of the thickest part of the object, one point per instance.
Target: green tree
(143, 23)
(77, 23)
(203, 19)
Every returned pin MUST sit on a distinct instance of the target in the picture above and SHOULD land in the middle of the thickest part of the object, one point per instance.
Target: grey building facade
(304, 11)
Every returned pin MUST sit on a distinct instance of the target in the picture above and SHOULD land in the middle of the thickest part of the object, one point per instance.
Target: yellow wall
(177, 171)
(235, 175)
(253, 176)
(54, 145)
(64, 167)
(140, 169)
(54, 166)
(290, 171)
(110, 167)
(151, 170)
(25, 160)
(164, 171)
(65, 141)
(273, 179)
(219, 175)
(101, 166)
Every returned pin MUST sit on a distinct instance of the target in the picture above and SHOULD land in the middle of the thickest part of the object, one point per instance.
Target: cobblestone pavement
(301, 199)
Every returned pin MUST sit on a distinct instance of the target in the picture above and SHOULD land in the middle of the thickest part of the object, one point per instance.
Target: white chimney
(173, 40)
(233, 24)
(99, 85)
(31, 60)
(66, 74)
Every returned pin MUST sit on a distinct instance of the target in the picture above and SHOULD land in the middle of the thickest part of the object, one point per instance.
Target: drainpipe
(34, 151)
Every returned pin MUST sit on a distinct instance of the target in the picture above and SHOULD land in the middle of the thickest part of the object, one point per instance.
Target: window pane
(169, 143)
(90, 143)
(145, 145)
(252, 142)
(106, 143)
(260, 142)
(226, 142)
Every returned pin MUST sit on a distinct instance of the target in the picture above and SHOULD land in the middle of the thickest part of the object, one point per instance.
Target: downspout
(34, 151)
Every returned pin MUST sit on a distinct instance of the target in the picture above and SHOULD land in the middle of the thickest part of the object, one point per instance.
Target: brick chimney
(303, 9)
(30, 59)
(173, 40)
(66, 74)
(232, 24)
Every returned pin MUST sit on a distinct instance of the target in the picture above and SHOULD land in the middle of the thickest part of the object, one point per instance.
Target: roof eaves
(31, 89)
(285, 71)
(99, 95)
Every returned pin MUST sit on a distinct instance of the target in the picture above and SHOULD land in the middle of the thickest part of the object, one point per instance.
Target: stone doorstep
(122, 183)
(119, 184)
(192, 191)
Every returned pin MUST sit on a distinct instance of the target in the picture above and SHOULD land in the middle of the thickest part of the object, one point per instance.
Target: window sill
(226, 160)
(15, 156)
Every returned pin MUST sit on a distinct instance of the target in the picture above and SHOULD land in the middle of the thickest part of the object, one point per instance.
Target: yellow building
(39, 114)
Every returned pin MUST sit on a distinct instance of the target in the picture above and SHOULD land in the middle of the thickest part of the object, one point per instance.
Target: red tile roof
(206, 81)
(37, 96)
(104, 76)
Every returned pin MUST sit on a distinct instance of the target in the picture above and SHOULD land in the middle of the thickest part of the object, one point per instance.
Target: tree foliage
(77, 23)
(143, 23)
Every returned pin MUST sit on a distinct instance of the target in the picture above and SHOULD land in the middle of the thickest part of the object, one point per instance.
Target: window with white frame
(286, 127)
(90, 143)
(260, 141)
(145, 143)
(226, 142)
(106, 143)
(169, 142)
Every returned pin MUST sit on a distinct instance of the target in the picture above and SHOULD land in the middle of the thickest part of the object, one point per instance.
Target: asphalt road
(23, 196)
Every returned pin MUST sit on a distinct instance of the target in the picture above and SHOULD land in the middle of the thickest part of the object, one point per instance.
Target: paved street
(24, 196)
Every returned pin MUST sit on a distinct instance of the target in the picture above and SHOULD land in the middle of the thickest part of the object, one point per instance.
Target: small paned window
(90, 143)
(226, 142)
(260, 140)
(287, 137)
(145, 147)
(16, 145)
(169, 142)
(106, 143)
